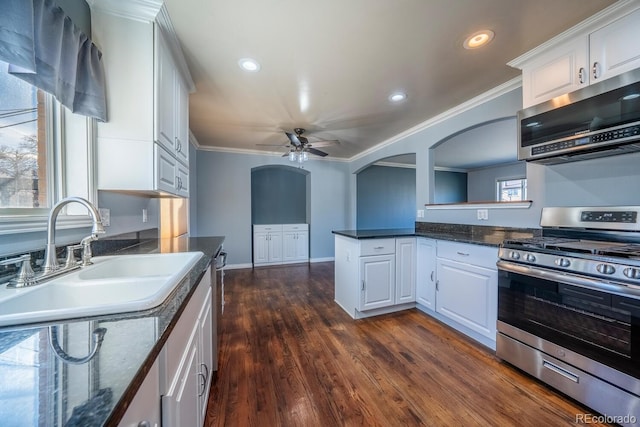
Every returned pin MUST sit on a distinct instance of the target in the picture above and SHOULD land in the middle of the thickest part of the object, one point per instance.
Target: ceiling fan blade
(325, 142)
(294, 139)
(316, 152)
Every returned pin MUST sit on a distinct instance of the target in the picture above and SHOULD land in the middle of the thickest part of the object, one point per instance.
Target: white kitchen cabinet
(295, 242)
(145, 406)
(405, 270)
(467, 286)
(280, 243)
(600, 50)
(147, 108)
(367, 272)
(426, 273)
(377, 278)
(187, 360)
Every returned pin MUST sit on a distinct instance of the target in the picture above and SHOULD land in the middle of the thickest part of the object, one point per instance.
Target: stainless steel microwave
(596, 121)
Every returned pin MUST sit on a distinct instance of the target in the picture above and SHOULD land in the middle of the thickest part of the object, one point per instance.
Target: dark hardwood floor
(291, 357)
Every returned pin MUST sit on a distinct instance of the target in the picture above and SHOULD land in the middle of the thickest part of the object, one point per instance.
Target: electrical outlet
(145, 215)
(420, 213)
(105, 216)
(482, 214)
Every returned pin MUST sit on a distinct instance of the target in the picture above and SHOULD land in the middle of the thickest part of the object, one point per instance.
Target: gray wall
(224, 200)
(482, 182)
(126, 212)
(386, 197)
(450, 187)
(278, 195)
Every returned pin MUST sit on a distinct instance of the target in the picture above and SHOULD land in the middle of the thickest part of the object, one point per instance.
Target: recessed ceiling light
(397, 96)
(477, 39)
(249, 64)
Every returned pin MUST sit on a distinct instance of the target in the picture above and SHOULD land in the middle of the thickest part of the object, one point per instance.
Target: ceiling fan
(299, 145)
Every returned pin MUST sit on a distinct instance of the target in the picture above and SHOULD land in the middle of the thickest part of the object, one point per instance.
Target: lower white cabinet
(467, 286)
(370, 276)
(188, 361)
(144, 407)
(426, 273)
(280, 243)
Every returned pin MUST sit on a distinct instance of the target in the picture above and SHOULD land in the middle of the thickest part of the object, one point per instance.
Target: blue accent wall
(450, 187)
(386, 197)
(278, 195)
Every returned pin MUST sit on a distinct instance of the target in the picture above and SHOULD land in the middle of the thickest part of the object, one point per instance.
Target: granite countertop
(43, 386)
(474, 234)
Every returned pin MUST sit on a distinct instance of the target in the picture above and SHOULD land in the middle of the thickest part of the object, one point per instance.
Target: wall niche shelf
(522, 204)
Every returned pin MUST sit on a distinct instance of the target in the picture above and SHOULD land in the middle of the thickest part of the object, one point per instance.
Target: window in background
(511, 190)
(24, 153)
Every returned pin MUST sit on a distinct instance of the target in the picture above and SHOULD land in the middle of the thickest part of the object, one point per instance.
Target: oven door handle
(571, 279)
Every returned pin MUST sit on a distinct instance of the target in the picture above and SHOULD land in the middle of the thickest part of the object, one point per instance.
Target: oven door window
(596, 324)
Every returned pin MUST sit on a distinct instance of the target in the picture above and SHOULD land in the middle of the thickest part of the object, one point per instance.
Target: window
(24, 153)
(511, 190)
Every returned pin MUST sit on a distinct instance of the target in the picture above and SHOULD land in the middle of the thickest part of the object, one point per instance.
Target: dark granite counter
(474, 234)
(43, 383)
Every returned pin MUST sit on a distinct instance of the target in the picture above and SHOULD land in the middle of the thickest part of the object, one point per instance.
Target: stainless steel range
(569, 306)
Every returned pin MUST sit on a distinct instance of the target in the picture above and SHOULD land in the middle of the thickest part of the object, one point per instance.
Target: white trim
(163, 22)
(237, 266)
(30, 224)
(139, 10)
(394, 165)
(480, 205)
(447, 169)
(582, 29)
(326, 259)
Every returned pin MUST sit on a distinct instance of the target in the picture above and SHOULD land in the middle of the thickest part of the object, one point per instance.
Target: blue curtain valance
(44, 48)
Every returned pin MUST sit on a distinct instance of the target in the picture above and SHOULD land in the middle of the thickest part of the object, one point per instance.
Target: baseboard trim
(237, 266)
(326, 259)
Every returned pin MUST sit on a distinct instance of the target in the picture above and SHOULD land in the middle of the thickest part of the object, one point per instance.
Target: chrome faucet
(50, 258)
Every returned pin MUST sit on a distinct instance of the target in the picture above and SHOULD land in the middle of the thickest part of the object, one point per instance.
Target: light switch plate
(105, 216)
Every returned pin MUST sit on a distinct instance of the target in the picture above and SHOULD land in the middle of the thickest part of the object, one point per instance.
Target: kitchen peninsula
(445, 270)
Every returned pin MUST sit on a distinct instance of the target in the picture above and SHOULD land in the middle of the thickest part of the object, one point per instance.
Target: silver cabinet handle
(581, 75)
(203, 384)
(462, 253)
(379, 247)
(363, 285)
(437, 285)
(432, 275)
(596, 70)
(144, 423)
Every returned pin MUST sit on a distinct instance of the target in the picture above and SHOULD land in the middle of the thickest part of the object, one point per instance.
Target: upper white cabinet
(595, 50)
(147, 101)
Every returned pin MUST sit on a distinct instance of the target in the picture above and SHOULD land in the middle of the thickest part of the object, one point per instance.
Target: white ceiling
(329, 66)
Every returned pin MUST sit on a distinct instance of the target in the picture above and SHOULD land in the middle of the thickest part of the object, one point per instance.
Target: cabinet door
(377, 275)
(182, 121)
(426, 272)
(205, 359)
(289, 248)
(468, 294)
(405, 270)
(180, 406)
(260, 248)
(614, 48)
(164, 108)
(145, 406)
(560, 70)
(166, 176)
(275, 247)
(302, 246)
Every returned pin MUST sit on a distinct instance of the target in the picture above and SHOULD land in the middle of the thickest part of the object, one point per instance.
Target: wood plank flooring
(291, 357)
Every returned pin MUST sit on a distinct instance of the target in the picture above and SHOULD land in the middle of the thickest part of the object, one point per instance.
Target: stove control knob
(530, 258)
(632, 273)
(514, 255)
(605, 269)
(562, 262)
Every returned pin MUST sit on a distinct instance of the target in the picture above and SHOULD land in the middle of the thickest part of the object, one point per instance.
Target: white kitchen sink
(113, 284)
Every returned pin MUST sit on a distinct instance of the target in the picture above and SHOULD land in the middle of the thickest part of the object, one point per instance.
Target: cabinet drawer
(267, 227)
(483, 256)
(377, 247)
(295, 227)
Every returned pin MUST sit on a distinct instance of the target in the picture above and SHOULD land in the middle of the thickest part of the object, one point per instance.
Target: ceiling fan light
(292, 156)
(249, 64)
(305, 156)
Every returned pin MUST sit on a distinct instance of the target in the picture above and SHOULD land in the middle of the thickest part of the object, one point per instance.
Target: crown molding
(139, 10)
